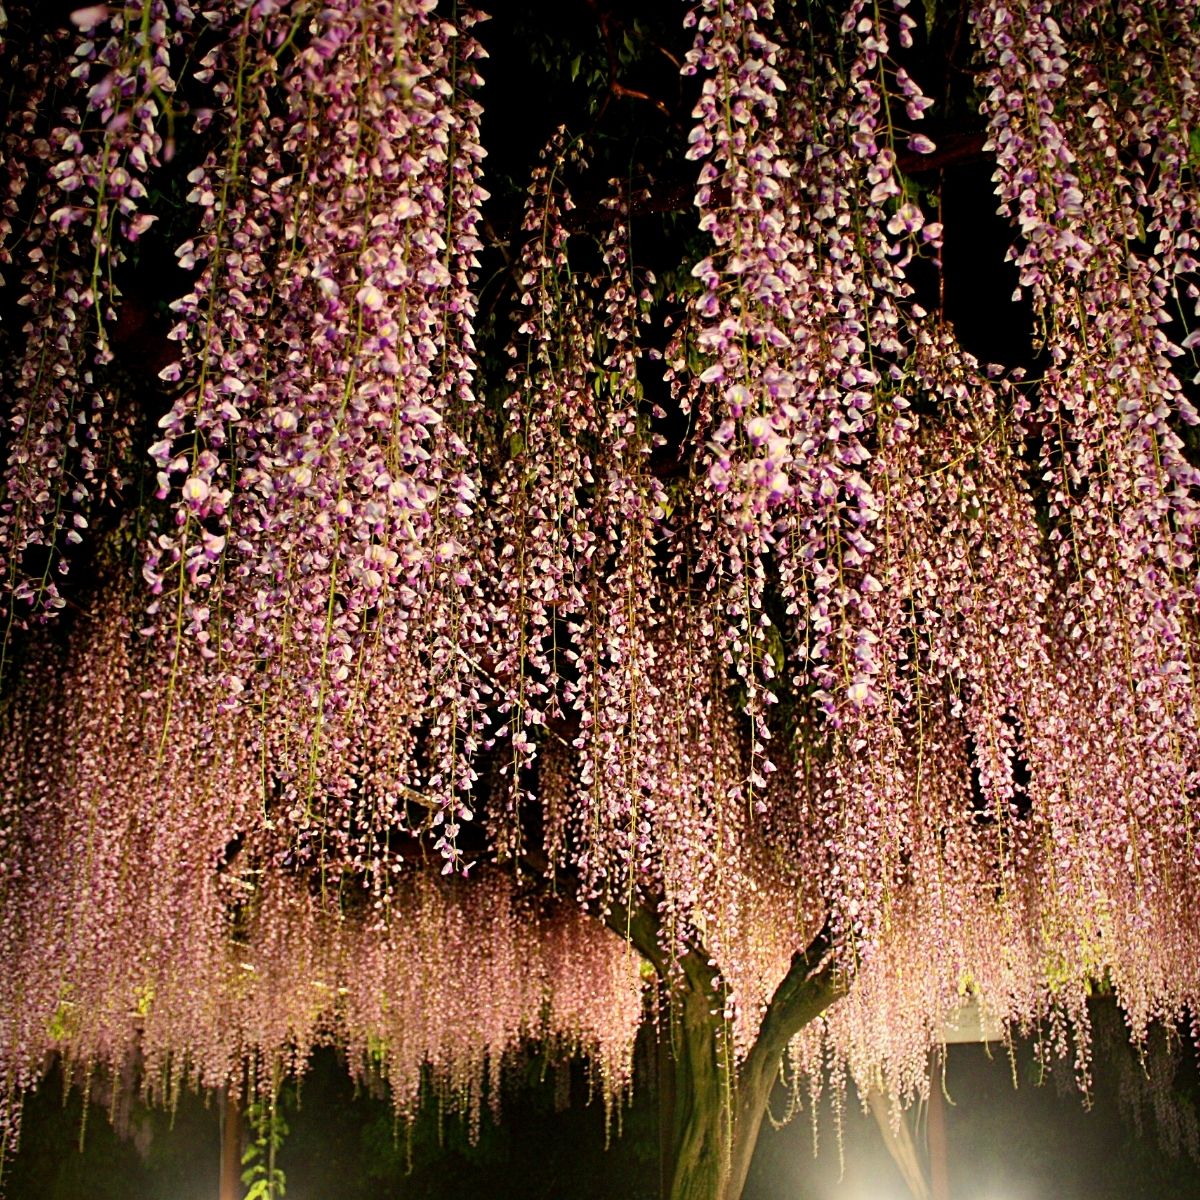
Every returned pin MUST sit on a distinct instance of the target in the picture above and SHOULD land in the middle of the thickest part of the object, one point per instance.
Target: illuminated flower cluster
(210, 960)
(85, 134)
(570, 531)
(316, 459)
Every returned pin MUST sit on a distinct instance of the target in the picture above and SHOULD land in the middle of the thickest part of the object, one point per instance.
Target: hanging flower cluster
(1109, 409)
(982, 586)
(113, 839)
(316, 460)
(213, 960)
(569, 533)
(85, 133)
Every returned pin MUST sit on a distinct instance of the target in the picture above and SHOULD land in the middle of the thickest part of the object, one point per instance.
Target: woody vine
(383, 644)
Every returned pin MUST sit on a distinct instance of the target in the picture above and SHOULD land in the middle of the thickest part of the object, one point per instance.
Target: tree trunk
(709, 1123)
(714, 1126)
(698, 1131)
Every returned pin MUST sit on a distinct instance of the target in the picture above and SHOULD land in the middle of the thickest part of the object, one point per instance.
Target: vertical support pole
(231, 1147)
(900, 1145)
(939, 1166)
(665, 1072)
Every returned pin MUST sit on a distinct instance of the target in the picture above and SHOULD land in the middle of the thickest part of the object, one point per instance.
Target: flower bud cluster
(84, 139)
(319, 460)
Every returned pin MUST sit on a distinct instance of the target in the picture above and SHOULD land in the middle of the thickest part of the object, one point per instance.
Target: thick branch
(640, 925)
(953, 147)
(655, 196)
(812, 984)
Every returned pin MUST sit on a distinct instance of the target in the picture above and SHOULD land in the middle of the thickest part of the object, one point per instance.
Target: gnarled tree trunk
(714, 1122)
(696, 1119)
(709, 1124)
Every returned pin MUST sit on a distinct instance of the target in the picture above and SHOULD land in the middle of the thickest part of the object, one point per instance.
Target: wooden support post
(231, 1148)
(939, 1166)
(900, 1145)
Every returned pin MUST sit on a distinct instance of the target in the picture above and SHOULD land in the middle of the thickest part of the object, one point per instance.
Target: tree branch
(654, 196)
(953, 147)
(605, 19)
(813, 982)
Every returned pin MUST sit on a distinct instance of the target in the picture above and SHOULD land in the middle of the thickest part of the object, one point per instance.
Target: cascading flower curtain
(743, 606)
